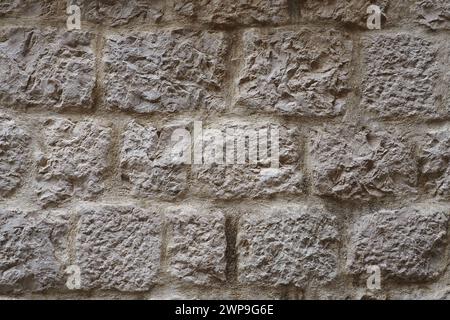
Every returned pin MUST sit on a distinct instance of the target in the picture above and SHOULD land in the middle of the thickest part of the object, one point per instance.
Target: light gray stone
(401, 76)
(166, 71)
(118, 247)
(435, 14)
(290, 246)
(362, 163)
(14, 155)
(33, 250)
(407, 244)
(301, 72)
(31, 8)
(196, 245)
(232, 12)
(46, 68)
(146, 164)
(73, 161)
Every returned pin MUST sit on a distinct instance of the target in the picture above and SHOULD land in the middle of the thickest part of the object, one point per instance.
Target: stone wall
(87, 181)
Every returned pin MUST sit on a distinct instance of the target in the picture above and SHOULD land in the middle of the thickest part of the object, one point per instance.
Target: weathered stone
(117, 13)
(407, 244)
(31, 8)
(362, 163)
(196, 245)
(118, 247)
(250, 179)
(146, 163)
(290, 246)
(433, 13)
(14, 152)
(74, 160)
(46, 68)
(434, 161)
(401, 76)
(231, 12)
(300, 72)
(33, 250)
(165, 71)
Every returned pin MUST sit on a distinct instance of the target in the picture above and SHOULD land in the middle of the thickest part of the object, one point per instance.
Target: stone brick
(231, 12)
(46, 68)
(362, 163)
(289, 246)
(407, 244)
(73, 161)
(165, 71)
(433, 13)
(147, 168)
(118, 13)
(118, 247)
(401, 76)
(196, 245)
(302, 72)
(33, 250)
(14, 153)
(31, 8)
(250, 180)
(434, 160)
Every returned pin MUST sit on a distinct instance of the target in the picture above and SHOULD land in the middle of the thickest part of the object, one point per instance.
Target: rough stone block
(231, 12)
(118, 247)
(302, 72)
(433, 13)
(146, 164)
(401, 76)
(196, 245)
(362, 163)
(33, 250)
(14, 155)
(31, 8)
(73, 161)
(407, 244)
(166, 71)
(46, 68)
(289, 246)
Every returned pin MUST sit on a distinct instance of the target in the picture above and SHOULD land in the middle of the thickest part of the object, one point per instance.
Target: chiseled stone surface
(301, 72)
(400, 77)
(165, 71)
(232, 12)
(33, 250)
(407, 244)
(118, 247)
(362, 163)
(287, 246)
(196, 245)
(46, 68)
(73, 161)
(14, 155)
(433, 13)
(31, 8)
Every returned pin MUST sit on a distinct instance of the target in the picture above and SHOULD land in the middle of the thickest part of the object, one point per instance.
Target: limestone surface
(433, 13)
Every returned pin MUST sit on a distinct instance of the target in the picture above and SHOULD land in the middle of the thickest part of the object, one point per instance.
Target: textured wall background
(86, 119)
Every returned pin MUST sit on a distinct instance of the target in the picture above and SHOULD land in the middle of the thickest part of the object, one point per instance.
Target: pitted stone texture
(303, 73)
(33, 250)
(434, 13)
(31, 8)
(196, 245)
(14, 153)
(291, 246)
(46, 68)
(165, 71)
(401, 74)
(434, 161)
(362, 164)
(261, 179)
(117, 13)
(407, 244)
(73, 161)
(118, 247)
(232, 12)
(147, 165)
